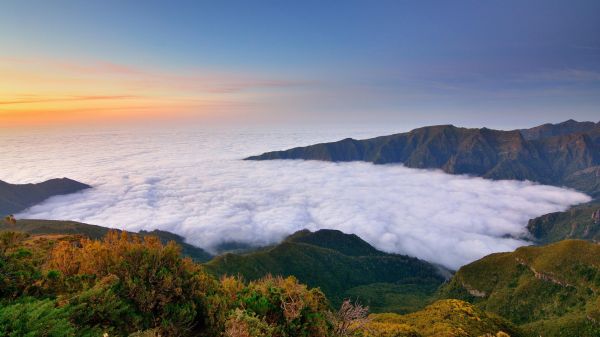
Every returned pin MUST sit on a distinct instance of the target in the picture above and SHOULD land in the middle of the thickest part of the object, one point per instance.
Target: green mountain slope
(578, 222)
(552, 290)
(442, 318)
(17, 197)
(39, 227)
(342, 266)
(563, 154)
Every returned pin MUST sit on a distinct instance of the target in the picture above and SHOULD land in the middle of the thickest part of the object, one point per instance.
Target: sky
(503, 64)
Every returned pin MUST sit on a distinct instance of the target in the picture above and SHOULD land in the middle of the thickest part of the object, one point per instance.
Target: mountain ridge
(15, 198)
(565, 154)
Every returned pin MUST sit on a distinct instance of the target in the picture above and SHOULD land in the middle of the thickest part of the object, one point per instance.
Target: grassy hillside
(444, 318)
(342, 266)
(565, 154)
(579, 222)
(33, 226)
(65, 285)
(552, 290)
(17, 197)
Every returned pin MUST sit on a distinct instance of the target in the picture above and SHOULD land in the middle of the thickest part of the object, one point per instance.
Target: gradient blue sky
(495, 63)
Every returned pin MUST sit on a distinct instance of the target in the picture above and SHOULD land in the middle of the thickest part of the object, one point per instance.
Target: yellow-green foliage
(537, 287)
(242, 323)
(445, 318)
(127, 284)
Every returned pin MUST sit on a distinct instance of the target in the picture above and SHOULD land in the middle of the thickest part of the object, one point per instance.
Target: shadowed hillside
(578, 222)
(563, 154)
(18, 197)
(40, 227)
(342, 266)
(552, 290)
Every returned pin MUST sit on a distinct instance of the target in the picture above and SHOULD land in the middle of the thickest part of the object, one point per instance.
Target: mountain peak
(347, 244)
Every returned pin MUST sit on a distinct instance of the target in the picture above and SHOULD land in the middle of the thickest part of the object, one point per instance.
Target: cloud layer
(192, 183)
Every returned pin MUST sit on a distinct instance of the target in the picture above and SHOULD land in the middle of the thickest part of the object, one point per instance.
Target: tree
(10, 220)
(349, 319)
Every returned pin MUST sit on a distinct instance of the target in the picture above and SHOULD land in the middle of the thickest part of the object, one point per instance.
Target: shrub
(31, 317)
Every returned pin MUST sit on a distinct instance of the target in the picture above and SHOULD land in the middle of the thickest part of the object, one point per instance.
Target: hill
(578, 222)
(342, 266)
(46, 227)
(565, 154)
(66, 285)
(18, 197)
(551, 290)
(444, 318)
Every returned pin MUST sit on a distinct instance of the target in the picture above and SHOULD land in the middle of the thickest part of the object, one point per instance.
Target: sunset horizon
(273, 63)
(274, 168)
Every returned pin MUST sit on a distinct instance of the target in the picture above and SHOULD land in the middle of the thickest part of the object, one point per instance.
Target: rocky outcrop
(596, 217)
(472, 291)
(548, 277)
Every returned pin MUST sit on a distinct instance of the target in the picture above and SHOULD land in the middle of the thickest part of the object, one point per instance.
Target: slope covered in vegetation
(342, 266)
(578, 222)
(33, 226)
(126, 285)
(552, 290)
(444, 318)
(65, 285)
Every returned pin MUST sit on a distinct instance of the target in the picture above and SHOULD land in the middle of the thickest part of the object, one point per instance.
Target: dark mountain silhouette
(18, 197)
(565, 154)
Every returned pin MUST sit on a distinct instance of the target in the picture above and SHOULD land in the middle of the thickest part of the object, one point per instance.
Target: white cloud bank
(193, 184)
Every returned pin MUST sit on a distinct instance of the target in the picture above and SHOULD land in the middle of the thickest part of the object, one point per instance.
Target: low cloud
(194, 184)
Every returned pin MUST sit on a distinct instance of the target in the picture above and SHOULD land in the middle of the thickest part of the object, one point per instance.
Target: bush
(31, 317)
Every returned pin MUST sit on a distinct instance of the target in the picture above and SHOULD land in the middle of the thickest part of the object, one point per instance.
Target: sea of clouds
(193, 183)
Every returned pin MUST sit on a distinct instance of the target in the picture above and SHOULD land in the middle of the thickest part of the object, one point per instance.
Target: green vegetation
(127, 285)
(564, 154)
(66, 285)
(343, 266)
(445, 318)
(552, 290)
(578, 222)
(97, 232)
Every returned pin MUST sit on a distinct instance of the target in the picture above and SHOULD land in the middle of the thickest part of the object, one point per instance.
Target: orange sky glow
(41, 92)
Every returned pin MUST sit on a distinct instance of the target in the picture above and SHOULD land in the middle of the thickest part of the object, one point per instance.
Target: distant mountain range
(15, 198)
(343, 266)
(564, 154)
